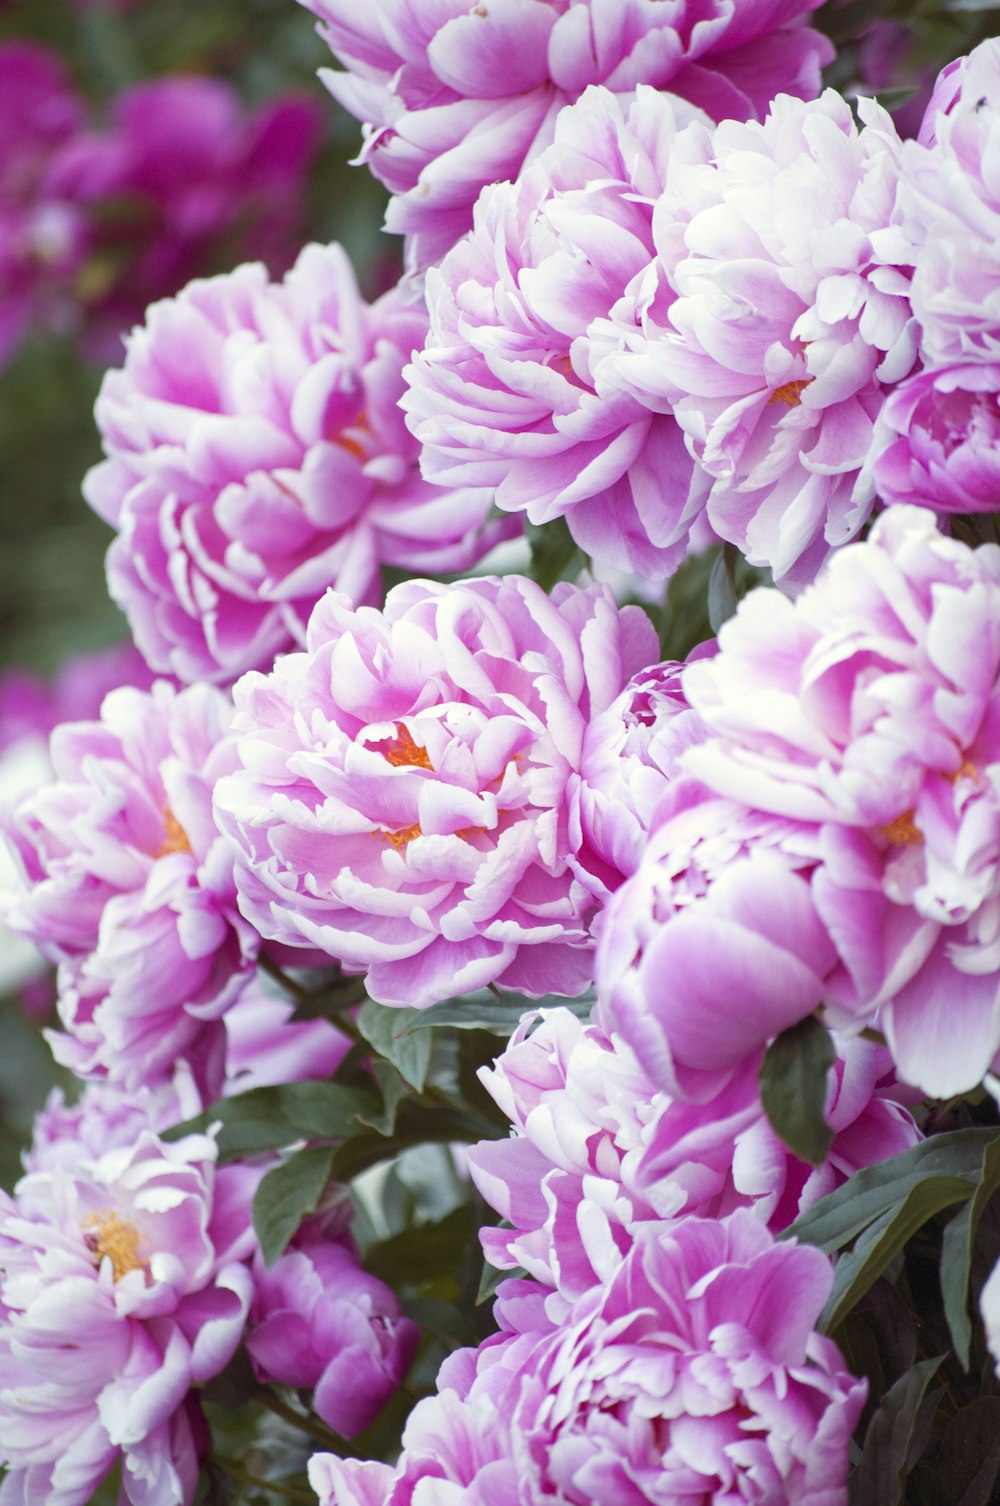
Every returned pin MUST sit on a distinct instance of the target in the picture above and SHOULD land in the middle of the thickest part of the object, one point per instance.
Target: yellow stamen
(903, 832)
(176, 839)
(116, 1238)
(354, 446)
(402, 752)
(790, 393)
(400, 839)
(965, 770)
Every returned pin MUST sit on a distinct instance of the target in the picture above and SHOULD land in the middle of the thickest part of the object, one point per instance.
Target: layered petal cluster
(944, 423)
(128, 884)
(505, 394)
(868, 744)
(631, 754)
(775, 320)
(123, 1283)
(598, 1150)
(320, 1321)
(402, 803)
(694, 1374)
(256, 455)
(455, 96)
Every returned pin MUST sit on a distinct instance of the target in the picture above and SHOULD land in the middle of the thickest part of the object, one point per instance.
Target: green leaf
(957, 1247)
(416, 1124)
(722, 597)
(882, 1240)
(898, 1425)
(839, 1217)
(271, 1118)
(394, 1090)
(555, 555)
(391, 1033)
(491, 1279)
(485, 1011)
(425, 1253)
(793, 1083)
(968, 1465)
(286, 1195)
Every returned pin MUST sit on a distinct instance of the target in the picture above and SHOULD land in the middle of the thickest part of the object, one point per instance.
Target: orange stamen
(903, 832)
(790, 393)
(176, 839)
(400, 839)
(402, 752)
(116, 1238)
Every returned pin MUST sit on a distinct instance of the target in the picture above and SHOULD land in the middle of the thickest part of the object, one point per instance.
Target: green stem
(309, 1425)
(291, 1492)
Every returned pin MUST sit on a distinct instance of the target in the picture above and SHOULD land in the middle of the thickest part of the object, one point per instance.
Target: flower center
(399, 839)
(789, 393)
(175, 837)
(109, 1234)
(903, 832)
(402, 752)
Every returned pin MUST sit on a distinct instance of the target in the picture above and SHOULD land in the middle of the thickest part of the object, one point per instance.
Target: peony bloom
(944, 426)
(402, 804)
(128, 884)
(256, 455)
(456, 96)
(631, 755)
(503, 394)
(773, 324)
(105, 1117)
(598, 1150)
(123, 1283)
(951, 205)
(320, 1321)
(694, 1373)
(869, 748)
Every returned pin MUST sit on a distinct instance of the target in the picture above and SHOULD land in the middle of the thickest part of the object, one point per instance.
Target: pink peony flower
(598, 1150)
(951, 204)
(945, 444)
(631, 754)
(455, 96)
(122, 1285)
(870, 744)
(105, 1117)
(773, 324)
(402, 801)
(247, 477)
(503, 394)
(694, 1374)
(128, 884)
(320, 1321)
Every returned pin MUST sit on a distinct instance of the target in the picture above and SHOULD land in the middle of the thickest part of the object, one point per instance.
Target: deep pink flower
(503, 394)
(320, 1321)
(599, 1150)
(694, 1373)
(775, 322)
(402, 804)
(256, 454)
(123, 1283)
(43, 232)
(870, 743)
(455, 96)
(128, 884)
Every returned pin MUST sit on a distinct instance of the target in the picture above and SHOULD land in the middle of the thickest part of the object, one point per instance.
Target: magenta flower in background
(256, 454)
(598, 1150)
(402, 803)
(871, 742)
(503, 394)
(320, 1321)
(773, 325)
(455, 96)
(43, 231)
(198, 183)
(128, 884)
(694, 1373)
(123, 1283)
